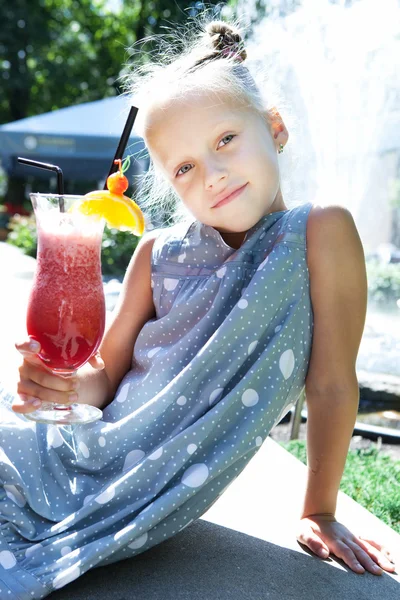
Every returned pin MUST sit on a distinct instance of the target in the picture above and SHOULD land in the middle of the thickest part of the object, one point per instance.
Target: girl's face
(208, 149)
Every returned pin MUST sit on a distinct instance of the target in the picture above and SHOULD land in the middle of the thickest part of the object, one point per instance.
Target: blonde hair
(210, 55)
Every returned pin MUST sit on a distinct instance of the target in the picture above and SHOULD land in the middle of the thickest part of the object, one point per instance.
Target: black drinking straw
(48, 167)
(123, 141)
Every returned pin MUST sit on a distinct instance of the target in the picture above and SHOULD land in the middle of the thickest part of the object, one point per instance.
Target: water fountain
(337, 66)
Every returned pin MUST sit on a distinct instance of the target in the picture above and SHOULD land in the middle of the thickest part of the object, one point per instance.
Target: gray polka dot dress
(221, 363)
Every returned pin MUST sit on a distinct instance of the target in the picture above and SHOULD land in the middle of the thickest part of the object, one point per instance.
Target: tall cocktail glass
(66, 308)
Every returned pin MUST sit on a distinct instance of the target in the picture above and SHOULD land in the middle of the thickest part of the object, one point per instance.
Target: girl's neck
(235, 239)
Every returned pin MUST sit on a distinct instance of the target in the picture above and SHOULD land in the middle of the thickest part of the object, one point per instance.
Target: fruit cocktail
(66, 308)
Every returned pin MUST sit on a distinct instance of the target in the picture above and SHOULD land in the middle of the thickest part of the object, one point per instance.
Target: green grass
(370, 477)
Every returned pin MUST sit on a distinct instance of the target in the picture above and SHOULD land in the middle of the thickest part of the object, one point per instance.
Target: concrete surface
(16, 274)
(244, 548)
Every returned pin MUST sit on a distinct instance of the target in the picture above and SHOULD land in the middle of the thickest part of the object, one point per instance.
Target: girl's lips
(231, 196)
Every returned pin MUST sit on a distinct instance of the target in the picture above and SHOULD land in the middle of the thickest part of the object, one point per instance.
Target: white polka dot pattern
(54, 437)
(7, 559)
(250, 397)
(106, 496)
(66, 577)
(215, 395)
(195, 475)
(170, 284)
(123, 392)
(139, 542)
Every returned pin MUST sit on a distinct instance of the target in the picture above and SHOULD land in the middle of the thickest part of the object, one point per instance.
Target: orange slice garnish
(119, 211)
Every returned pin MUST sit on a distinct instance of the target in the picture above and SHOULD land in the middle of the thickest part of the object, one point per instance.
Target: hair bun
(225, 39)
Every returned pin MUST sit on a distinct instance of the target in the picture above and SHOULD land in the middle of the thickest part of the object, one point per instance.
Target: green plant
(370, 477)
(117, 246)
(23, 233)
(3, 183)
(383, 281)
(116, 251)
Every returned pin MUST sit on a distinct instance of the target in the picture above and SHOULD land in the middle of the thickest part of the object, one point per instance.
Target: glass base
(74, 414)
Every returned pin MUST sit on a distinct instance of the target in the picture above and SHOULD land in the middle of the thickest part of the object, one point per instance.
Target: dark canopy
(81, 139)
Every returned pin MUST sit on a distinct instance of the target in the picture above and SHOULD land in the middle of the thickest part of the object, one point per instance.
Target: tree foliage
(55, 53)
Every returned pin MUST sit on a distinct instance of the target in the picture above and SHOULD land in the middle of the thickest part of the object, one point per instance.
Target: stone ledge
(15, 263)
(379, 389)
(244, 548)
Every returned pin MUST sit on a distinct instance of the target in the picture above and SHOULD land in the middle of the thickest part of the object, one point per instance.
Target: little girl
(223, 319)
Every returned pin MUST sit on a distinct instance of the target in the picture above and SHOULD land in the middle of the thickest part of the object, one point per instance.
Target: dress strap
(294, 226)
(168, 244)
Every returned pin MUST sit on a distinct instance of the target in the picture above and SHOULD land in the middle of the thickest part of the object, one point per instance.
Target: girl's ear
(277, 127)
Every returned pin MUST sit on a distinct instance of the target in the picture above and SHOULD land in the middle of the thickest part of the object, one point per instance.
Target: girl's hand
(37, 383)
(323, 534)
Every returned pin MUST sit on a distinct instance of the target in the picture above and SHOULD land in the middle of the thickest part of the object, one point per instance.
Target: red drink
(66, 310)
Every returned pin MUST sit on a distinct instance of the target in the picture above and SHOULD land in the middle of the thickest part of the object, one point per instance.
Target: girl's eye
(231, 135)
(182, 171)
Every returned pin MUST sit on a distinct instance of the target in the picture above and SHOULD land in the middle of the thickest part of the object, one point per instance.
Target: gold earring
(280, 149)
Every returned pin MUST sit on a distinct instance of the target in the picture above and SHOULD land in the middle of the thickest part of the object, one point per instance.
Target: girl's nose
(214, 173)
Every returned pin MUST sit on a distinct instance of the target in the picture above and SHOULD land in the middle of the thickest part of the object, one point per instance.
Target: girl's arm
(338, 285)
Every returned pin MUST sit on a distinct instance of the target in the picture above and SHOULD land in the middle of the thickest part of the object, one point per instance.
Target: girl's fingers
(357, 558)
(311, 539)
(380, 555)
(31, 390)
(46, 379)
(96, 361)
(29, 346)
(37, 383)
(29, 350)
(376, 545)
(25, 404)
(347, 555)
(353, 554)
(28, 391)
(27, 400)
(365, 558)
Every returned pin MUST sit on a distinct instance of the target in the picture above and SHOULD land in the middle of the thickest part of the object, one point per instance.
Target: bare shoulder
(148, 239)
(145, 246)
(139, 268)
(328, 226)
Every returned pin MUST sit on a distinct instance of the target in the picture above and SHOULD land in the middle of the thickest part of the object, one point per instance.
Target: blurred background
(337, 65)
